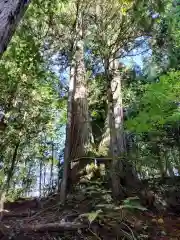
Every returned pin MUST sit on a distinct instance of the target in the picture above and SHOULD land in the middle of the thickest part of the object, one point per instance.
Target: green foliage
(153, 112)
(165, 42)
(158, 105)
(132, 203)
(97, 106)
(29, 99)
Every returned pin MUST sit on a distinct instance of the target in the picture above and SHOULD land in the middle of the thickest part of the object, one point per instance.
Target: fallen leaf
(154, 220)
(160, 221)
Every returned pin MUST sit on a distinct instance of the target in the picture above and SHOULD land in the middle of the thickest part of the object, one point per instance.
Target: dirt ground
(48, 219)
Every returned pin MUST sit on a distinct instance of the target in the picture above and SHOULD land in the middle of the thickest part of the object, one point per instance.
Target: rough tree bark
(122, 173)
(80, 124)
(117, 98)
(11, 12)
(66, 165)
(78, 130)
(114, 118)
(113, 147)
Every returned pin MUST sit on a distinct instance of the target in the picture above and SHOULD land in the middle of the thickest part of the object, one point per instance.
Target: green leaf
(138, 207)
(2, 175)
(133, 203)
(92, 215)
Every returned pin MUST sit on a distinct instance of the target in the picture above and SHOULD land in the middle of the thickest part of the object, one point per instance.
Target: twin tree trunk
(78, 131)
(11, 12)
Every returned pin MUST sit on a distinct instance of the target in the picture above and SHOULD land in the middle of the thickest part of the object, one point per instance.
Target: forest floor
(79, 219)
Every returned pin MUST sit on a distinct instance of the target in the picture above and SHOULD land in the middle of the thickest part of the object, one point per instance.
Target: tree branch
(50, 227)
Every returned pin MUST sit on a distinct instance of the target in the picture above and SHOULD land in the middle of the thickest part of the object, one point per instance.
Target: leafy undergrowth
(90, 213)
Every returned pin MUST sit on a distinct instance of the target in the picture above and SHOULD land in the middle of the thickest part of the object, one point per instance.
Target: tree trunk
(28, 183)
(169, 165)
(11, 170)
(176, 157)
(11, 12)
(80, 134)
(60, 171)
(171, 171)
(40, 177)
(117, 103)
(78, 130)
(114, 118)
(114, 151)
(80, 123)
(160, 160)
(66, 164)
(123, 176)
(52, 167)
(44, 180)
